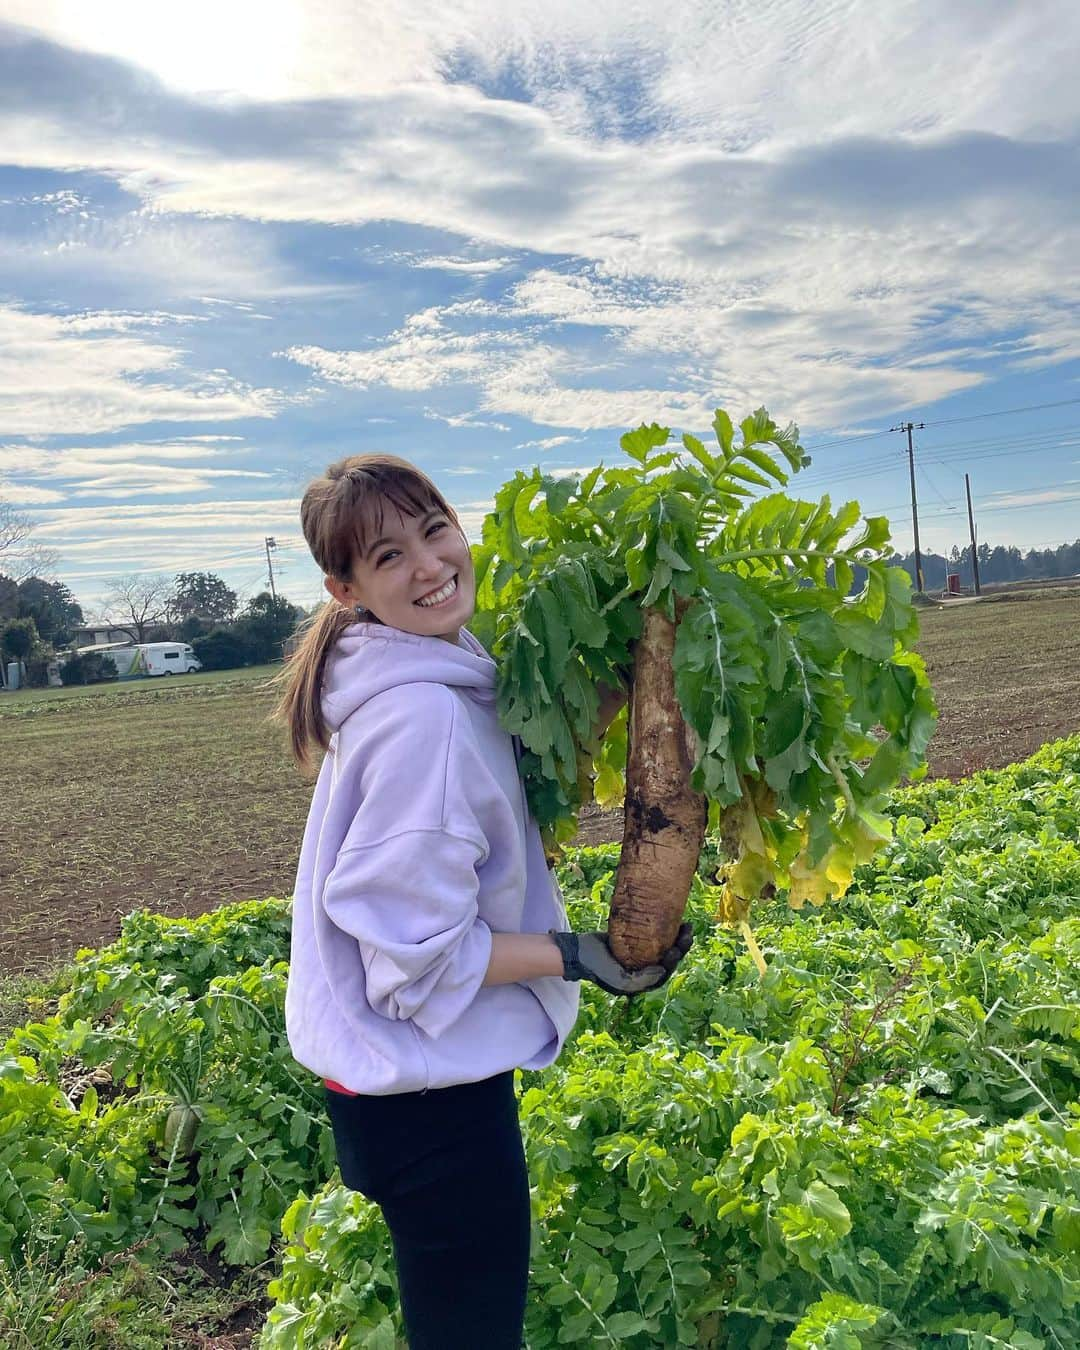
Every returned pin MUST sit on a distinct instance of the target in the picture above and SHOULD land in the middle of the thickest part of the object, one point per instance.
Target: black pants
(447, 1168)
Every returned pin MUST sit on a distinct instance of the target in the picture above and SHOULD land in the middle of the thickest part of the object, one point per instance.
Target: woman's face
(414, 560)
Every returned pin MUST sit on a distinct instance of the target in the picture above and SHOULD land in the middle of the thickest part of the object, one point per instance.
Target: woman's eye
(439, 525)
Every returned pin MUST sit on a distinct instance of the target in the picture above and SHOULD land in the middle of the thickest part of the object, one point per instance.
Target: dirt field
(179, 796)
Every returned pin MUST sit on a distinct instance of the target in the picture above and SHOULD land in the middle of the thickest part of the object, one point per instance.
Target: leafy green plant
(878, 1145)
(761, 690)
(192, 1140)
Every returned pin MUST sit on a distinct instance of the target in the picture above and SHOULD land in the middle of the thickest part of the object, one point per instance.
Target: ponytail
(300, 707)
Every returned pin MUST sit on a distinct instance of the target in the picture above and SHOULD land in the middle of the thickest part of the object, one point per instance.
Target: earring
(360, 612)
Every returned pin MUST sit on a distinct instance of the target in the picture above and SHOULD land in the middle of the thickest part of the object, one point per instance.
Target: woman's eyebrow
(393, 539)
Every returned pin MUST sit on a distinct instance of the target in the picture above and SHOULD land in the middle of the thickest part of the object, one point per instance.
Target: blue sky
(239, 240)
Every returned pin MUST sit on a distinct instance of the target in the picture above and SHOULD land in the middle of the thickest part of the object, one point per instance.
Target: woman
(430, 956)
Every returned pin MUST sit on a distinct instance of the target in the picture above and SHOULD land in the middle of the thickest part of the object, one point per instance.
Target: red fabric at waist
(336, 1087)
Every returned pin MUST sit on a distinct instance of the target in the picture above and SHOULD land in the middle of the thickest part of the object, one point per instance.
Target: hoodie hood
(369, 658)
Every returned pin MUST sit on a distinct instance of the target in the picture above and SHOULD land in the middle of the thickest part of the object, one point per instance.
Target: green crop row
(876, 1145)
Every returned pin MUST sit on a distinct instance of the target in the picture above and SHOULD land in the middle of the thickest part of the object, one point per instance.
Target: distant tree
(88, 668)
(224, 649)
(18, 638)
(934, 568)
(18, 642)
(9, 597)
(137, 603)
(267, 624)
(1003, 562)
(999, 568)
(187, 630)
(53, 608)
(200, 595)
(19, 557)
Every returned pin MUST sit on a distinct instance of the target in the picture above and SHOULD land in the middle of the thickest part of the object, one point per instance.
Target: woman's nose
(429, 563)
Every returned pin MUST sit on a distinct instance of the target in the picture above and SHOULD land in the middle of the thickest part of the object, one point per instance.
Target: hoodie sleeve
(404, 883)
(410, 902)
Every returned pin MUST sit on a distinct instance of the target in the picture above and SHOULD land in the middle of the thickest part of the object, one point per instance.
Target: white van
(167, 658)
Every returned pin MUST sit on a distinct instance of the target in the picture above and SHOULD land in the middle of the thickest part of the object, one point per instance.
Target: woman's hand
(586, 956)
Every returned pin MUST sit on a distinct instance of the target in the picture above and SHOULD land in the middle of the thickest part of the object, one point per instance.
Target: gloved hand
(587, 956)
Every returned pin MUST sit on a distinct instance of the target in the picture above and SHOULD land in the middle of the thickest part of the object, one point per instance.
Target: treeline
(39, 620)
(1001, 563)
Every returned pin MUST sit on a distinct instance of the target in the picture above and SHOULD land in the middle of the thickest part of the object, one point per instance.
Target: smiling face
(414, 573)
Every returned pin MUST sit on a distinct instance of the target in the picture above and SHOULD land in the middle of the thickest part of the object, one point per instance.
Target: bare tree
(136, 603)
(20, 558)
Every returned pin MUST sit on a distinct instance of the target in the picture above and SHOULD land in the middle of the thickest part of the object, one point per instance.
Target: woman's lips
(438, 590)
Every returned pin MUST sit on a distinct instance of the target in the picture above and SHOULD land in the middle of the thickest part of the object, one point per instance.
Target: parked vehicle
(168, 658)
(135, 660)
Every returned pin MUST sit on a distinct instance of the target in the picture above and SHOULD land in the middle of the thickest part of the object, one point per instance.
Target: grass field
(178, 795)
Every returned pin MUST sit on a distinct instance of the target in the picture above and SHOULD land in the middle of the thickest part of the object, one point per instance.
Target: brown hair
(336, 513)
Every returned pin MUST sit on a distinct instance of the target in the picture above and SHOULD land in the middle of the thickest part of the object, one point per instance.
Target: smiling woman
(416, 576)
(430, 957)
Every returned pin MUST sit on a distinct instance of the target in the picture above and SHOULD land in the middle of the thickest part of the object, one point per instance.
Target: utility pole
(971, 527)
(909, 427)
(271, 543)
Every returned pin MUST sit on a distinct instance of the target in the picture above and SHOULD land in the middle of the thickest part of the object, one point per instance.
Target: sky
(241, 240)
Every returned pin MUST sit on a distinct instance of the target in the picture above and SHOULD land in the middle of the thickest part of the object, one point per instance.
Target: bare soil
(183, 797)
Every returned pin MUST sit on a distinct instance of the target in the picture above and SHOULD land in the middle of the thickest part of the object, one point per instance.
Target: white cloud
(105, 321)
(115, 472)
(176, 258)
(514, 373)
(95, 546)
(702, 69)
(547, 443)
(581, 470)
(180, 440)
(23, 494)
(999, 500)
(56, 380)
(422, 355)
(480, 267)
(463, 420)
(826, 210)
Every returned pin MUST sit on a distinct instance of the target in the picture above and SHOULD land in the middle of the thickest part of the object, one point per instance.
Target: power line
(1004, 412)
(1048, 434)
(1065, 437)
(984, 506)
(948, 422)
(947, 467)
(847, 440)
(936, 489)
(879, 465)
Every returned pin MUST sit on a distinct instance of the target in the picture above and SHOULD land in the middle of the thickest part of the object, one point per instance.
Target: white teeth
(439, 596)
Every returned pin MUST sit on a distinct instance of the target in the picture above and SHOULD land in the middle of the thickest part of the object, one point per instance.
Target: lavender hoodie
(418, 847)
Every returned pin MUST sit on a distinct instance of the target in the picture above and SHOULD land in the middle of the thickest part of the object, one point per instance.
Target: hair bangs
(402, 490)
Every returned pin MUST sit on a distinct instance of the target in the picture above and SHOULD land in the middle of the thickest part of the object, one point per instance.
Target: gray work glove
(587, 956)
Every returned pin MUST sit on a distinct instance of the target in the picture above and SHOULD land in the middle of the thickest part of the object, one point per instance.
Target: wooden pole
(909, 427)
(971, 528)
